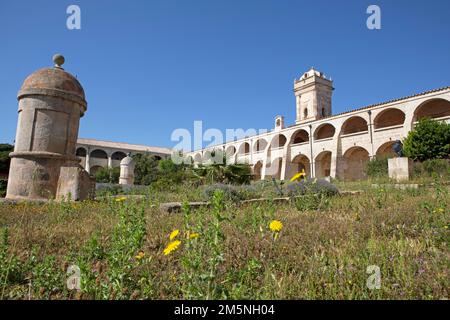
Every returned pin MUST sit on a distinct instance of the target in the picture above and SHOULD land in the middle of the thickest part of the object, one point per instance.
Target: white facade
(331, 145)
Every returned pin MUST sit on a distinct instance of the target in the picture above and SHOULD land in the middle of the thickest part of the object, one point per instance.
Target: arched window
(324, 131)
(354, 125)
(435, 108)
(300, 136)
(305, 113)
(388, 118)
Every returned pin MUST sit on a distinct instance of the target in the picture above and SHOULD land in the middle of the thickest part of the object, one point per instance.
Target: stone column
(311, 154)
(109, 160)
(87, 166)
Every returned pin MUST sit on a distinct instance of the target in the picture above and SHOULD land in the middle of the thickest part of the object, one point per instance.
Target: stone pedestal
(400, 169)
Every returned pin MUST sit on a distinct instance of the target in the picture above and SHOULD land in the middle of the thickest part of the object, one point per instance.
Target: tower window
(305, 113)
(323, 112)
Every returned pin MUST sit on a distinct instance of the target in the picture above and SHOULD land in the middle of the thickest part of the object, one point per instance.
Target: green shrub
(3, 184)
(5, 149)
(440, 167)
(377, 167)
(109, 190)
(146, 169)
(312, 186)
(429, 139)
(312, 201)
(107, 175)
(231, 192)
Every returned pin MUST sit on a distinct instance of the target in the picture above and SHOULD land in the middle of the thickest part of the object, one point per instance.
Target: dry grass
(318, 254)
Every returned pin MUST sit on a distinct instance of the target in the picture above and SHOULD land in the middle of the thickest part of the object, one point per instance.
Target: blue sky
(151, 66)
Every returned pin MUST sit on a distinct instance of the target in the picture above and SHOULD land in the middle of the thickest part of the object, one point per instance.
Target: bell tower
(313, 93)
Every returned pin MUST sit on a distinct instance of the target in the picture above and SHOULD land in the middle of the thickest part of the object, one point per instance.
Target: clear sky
(151, 66)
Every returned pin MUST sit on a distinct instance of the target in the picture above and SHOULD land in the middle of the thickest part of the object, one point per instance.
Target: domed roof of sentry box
(54, 82)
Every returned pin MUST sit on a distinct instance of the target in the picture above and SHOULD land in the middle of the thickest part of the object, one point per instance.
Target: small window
(323, 112)
(305, 113)
(278, 122)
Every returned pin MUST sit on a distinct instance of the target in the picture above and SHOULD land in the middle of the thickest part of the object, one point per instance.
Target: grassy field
(228, 251)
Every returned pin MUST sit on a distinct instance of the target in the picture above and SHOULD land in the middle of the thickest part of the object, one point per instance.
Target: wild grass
(322, 252)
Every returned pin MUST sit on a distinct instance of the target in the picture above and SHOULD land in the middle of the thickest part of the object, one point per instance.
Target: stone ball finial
(59, 60)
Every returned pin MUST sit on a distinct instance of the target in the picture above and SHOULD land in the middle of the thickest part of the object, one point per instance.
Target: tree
(430, 139)
(5, 149)
(146, 169)
(107, 175)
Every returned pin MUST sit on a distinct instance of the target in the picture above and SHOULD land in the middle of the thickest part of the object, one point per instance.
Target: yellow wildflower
(193, 235)
(120, 199)
(172, 246)
(140, 255)
(173, 234)
(275, 225)
(299, 175)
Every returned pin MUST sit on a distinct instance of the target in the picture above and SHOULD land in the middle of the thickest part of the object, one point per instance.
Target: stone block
(75, 184)
(400, 169)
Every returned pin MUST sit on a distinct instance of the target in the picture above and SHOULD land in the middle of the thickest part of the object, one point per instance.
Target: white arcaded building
(96, 154)
(324, 144)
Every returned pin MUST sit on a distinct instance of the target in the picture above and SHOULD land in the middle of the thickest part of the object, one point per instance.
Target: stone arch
(207, 156)
(388, 118)
(278, 141)
(274, 170)
(300, 136)
(244, 148)
(323, 164)
(324, 131)
(81, 152)
(118, 155)
(434, 108)
(230, 151)
(354, 124)
(299, 162)
(260, 145)
(99, 153)
(98, 157)
(355, 159)
(257, 170)
(385, 150)
(197, 158)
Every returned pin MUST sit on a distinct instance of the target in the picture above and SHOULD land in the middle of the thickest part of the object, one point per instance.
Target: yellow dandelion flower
(140, 255)
(275, 225)
(299, 175)
(172, 246)
(173, 234)
(120, 199)
(440, 210)
(193, 235)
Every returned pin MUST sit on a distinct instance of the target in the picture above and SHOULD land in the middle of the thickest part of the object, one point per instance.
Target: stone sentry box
(43, 164)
